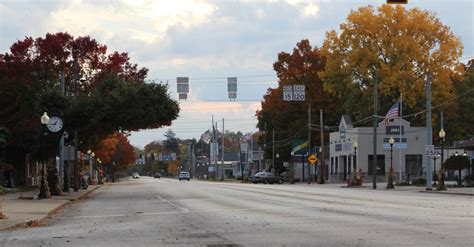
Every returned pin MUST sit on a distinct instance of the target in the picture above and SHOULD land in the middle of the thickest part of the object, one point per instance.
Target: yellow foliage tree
(396, 46)
(172, 167)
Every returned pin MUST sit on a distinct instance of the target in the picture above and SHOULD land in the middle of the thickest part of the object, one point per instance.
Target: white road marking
(185, 210)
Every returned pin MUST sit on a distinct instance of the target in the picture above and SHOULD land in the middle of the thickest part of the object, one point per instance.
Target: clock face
(55, 124)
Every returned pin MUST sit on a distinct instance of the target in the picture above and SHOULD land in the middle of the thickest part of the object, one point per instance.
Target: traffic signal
(397, 1)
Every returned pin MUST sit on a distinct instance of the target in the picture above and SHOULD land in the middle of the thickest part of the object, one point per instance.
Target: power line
(215, 78)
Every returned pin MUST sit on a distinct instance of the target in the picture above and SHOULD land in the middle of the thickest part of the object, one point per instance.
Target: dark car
(157, 175)
(266, 178)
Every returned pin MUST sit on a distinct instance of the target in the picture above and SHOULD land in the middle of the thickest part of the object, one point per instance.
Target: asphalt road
(166, 212)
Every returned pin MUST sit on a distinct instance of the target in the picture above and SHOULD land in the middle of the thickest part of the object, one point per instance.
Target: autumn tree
(114, 96)
(116, 149)
(395, 46)
(288, 119)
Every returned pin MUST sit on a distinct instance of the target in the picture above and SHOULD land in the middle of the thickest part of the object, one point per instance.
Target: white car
(184, 175)
(135, 175)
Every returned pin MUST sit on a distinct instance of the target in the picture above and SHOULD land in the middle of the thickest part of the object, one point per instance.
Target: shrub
(2, 190)
(404, 183)
(419, 181)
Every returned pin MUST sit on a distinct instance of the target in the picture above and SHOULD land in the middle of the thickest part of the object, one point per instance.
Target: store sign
(394, 130)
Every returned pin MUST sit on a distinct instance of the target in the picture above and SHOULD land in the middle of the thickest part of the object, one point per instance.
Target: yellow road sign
(312, 159)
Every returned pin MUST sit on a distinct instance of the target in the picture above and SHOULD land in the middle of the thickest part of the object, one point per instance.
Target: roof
(466, 144)
(347, 119)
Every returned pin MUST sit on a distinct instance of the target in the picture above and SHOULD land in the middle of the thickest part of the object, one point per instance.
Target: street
(166, 212)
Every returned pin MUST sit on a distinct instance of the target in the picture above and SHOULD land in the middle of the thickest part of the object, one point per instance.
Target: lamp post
(467, 159)
(440, 185)
(459, 176)
(391, 141)
(99, 178)
(354, 145)
(44, 192)
(91, 164)
(435, 177)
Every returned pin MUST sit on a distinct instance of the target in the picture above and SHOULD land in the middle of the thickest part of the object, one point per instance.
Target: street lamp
(44, 193)
(391, 141)
(440, 185)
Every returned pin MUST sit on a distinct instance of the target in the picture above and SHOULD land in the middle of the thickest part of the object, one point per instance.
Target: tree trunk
(2, 209)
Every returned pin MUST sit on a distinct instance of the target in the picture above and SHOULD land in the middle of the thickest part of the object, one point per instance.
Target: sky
(207, 41)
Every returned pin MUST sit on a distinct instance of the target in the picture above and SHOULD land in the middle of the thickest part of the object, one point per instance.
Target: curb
(40, 221)
(446, 193)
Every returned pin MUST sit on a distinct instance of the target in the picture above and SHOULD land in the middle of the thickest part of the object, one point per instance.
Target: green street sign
(300, 147)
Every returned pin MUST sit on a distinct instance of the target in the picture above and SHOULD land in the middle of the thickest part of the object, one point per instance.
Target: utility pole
(62, 172)
(321, 159)
(273, 151)
(76, 141)
(264, 163)
(374, 157)
(400, 140)
(223, 131)
(309, 142)
(429, 173)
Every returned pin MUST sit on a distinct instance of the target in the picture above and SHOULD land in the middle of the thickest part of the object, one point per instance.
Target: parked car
(135, 175)
(266, 178)
(184, 175)
(157, 175)
(285, 176)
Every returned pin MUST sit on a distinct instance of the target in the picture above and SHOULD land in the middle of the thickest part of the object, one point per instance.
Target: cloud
(146, 21)
(307, 8)
(310, 10)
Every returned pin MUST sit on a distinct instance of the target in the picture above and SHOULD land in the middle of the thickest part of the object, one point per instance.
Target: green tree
(457, 162)
(460, 126)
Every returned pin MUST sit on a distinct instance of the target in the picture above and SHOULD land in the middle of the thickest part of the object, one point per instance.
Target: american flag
(392, 113)
(206, 137)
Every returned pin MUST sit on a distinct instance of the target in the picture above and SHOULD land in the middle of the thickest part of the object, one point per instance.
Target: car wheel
(188, 179)
(254, 182)
(265, 181)
(280, 181)
(180, 179)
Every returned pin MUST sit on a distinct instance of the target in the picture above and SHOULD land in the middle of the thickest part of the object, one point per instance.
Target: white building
(409, 157)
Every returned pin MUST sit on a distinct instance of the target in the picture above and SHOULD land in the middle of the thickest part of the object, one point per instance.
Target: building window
(380, 164)
(413, 165)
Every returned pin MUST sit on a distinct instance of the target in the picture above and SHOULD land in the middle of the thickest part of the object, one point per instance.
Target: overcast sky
(206, 41)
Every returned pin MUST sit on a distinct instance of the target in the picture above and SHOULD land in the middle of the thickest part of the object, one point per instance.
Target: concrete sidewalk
(31, 212)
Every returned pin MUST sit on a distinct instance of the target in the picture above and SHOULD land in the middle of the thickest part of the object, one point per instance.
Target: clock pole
(44, 190)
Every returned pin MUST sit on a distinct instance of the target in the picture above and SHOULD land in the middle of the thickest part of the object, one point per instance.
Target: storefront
(351, 149)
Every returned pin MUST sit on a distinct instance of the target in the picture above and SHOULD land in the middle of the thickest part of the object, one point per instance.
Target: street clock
(55, 124)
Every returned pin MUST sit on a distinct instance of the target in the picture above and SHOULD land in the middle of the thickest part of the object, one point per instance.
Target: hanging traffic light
(397, 1)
